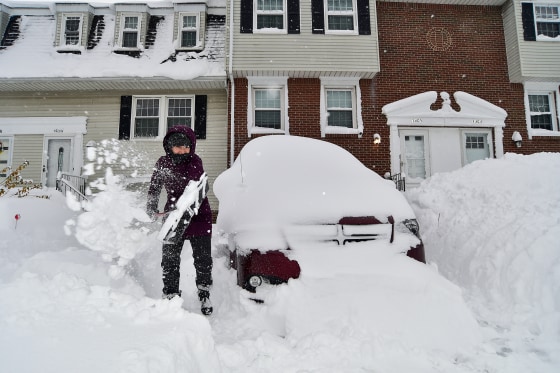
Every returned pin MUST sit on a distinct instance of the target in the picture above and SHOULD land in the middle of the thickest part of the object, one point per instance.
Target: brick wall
(422, 47)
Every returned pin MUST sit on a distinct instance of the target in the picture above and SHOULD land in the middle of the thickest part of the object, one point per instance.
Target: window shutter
(200, 103)
(125, 117)
(528, 19)
(317, 17)
(246, 26)
(363, 17)
(293, 16)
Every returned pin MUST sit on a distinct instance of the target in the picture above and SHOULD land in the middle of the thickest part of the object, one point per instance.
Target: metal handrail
(75, 184)
(400, 181)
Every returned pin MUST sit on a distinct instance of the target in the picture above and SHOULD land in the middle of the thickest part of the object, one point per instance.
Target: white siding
(29, 148)
(512, 42)
(305, 54)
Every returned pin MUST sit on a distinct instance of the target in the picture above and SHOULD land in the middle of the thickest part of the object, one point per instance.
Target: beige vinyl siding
(305, 54)
(29, 148)
(539, 60)
(103, 113)
(512, 42)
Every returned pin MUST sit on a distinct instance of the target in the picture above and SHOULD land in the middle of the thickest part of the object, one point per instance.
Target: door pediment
(473, 111)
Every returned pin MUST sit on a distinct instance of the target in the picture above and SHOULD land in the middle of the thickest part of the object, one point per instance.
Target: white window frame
(63, 38)
(263, 82)
(542, 37)
(283, 12)
(552, 90)
(162, 114)
(181, 28)
(328, 83)
(123, 30)
(353, 13)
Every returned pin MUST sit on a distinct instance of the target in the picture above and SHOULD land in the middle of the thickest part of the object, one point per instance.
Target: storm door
(415, 160)
(59, 159)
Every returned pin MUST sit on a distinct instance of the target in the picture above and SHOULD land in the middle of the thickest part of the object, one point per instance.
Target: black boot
(204, 297)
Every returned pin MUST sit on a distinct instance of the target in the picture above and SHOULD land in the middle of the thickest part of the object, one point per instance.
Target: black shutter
(317, 17)
(363, 17)
(246, 26)
(124, 122)
(293, 16)
(200, 103)
(528, 19)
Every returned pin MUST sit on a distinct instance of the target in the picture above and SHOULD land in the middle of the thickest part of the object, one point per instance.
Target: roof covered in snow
(33, 60)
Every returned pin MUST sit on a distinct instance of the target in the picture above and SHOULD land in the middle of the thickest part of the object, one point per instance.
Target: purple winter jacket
(175, 177)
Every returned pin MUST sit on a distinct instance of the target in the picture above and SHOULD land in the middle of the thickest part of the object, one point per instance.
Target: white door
(59, 159)
(415, 161)
(476, 145)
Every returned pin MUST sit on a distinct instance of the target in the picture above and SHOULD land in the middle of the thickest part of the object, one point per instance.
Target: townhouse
(74, 75)
(408, 87)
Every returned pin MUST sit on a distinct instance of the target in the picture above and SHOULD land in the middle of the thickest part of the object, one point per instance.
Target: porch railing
(73, 184)
(399, 180)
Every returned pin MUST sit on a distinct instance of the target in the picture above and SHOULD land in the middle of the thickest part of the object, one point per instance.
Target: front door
(476, 146)
(415, 162)
(59, 159)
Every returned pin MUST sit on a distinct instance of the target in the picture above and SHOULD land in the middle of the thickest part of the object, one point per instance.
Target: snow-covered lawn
(80, 291)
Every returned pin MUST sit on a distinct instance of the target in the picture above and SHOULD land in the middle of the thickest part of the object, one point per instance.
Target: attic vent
(96, 31)
(152, 30)
(12, 32)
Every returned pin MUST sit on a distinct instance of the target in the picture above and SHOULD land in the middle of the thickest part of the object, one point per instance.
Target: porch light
(376, 139)
(517, 139)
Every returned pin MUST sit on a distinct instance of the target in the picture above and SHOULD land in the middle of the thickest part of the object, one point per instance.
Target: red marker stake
(17, 218)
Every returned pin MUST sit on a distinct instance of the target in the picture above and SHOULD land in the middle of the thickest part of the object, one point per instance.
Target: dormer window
(189, 27)
(72, 30)
(130, 31)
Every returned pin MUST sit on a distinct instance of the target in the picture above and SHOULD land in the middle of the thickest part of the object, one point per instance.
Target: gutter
(232, 82)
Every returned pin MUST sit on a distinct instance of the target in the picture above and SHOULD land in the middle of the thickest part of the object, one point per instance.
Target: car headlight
(412, 225)
(255, 281)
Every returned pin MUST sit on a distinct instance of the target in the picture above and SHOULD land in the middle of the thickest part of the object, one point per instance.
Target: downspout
(232, 82)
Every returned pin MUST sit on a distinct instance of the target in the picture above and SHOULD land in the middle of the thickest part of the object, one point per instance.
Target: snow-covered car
(288, 202)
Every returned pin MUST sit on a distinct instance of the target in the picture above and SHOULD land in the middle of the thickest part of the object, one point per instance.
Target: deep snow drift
(79, 291)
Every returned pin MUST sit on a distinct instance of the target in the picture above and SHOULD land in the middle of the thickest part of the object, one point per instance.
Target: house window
(542, 111)
(130, 31)
(270, 14)
(341, 15)
(153, 116)
(72, 30)
(547, 20)
(268, 101)
(188, 30)
(268, 107)
(340, 106)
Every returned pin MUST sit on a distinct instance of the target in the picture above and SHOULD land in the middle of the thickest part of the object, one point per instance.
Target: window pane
(188, 39)
(268, 119)
(267, 98)
(539, 103)
(339, 99)
(340, 118)
(72, 31)
(189, 21)
(146, 127)
(270, 5)
(147, 107)
(543, 121)
(270, 21)
(549, 29)
(341, 23)
(178, 122)
(475, 142)
(131, 23)
(130, 39)
(340, 5)
(179, 107)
